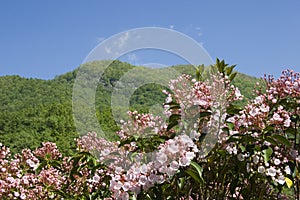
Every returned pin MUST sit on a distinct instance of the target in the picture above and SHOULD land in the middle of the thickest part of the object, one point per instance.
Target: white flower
(162, 158)
(238, 93)
(277, 161)
(170, 172)
(143, 180)
(23, 196)
(119, 170)
(231, 119)
(32, 164)
(126, 186)
(271, 171)
(144, 169)
(186, 140)
(169, 99)
(172, 147)
(231, 149)
(276, 117)
(264, 108)
(190, 155)
(281, 180)
(184, 161)
(116, 185)
(255, 134)
(16, 194)
(240, 157)
(287, 170)
(267, 164)
(258, 100)
(254, 111)
(287, 122)
(261, 169)
(256, 159)
(174, 165)
(104, 152)
(267, 143)
(96, 178)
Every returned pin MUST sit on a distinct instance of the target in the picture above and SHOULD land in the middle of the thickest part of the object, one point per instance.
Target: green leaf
(242, 148)
(204, 114)
(174, 117)
(282, 140)
(248, 138)
(197, 167)
(230, 125)
(268, 129)
(194, 175)
(181, 182)
(41, 165)
(233, 109)
(229, 70)
(201, 68)
(197, 173)
(199, 72)
(171, 125)
(267, 154)
(232, 76)
(271, 140)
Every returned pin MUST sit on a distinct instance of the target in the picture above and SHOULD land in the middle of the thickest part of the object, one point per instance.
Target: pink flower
(287, 122)
(162, 158)
(271, 171)
(276, 117)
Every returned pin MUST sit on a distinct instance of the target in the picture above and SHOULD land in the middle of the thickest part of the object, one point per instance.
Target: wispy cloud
(100, 39)
(107, 50)
(198, 30)
(133, 58)
(122, 40)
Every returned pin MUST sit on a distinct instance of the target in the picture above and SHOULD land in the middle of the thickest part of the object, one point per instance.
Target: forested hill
(35, 110)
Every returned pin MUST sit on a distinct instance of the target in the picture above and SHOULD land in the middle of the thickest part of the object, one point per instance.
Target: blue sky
(42, 39)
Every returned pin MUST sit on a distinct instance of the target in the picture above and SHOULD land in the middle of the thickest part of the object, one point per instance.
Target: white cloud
(171, 26)
(199, 33)
(122, 40)
(107, 50)
(100, 39)
(133, 58)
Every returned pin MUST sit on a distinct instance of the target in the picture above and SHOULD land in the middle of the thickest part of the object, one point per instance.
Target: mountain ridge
(33, 110)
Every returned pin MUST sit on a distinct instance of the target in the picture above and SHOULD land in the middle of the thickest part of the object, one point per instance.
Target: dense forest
(35, 110)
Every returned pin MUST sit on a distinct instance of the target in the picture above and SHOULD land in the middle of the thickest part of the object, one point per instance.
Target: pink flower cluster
(257, 113)
(171, 155)
(131, 172)
(30, 175)
(143, 125)
(187, 93)
(19, 179)
(44, 173)
(270, 109)
(288, 85)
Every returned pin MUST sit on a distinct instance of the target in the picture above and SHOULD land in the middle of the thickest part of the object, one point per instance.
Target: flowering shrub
(208, 148)
(44, 174)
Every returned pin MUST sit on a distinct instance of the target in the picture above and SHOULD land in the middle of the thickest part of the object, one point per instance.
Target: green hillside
(34, 110)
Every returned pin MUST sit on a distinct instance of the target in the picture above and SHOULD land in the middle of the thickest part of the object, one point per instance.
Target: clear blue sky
(47, 38)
